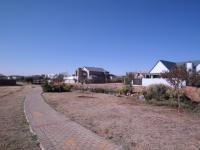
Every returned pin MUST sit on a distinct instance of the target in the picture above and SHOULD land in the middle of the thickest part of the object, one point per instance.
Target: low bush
(125, 90)
(158, 92)
(97, 90)
(162, 95)
(117, 80)
(56, 88)
(102, 90)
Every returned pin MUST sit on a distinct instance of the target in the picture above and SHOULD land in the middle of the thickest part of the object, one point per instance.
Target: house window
(156, 76)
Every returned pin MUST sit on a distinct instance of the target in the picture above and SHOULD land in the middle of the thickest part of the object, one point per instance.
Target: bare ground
(193, 93)
(129, 122)
(14, 130)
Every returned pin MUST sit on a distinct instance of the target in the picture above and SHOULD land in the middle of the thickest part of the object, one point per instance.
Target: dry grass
(109, 86)
(113, 86)
(14, 130)
(7, 90)
(128, 122)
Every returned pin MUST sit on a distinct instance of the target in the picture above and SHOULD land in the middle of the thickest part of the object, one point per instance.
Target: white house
(154, 76)
(71, 79)
(3, 77)
(198, 68)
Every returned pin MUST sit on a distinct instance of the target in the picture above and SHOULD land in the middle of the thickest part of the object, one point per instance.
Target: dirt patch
(129, 122)
(14, 130)
(84, 96)
(193, 93)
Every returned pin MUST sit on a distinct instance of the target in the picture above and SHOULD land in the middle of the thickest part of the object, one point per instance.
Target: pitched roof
(96, 69)
(168, 64)
(1, 75)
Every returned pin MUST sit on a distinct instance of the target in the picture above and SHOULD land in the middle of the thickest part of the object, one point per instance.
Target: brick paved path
(56, 132)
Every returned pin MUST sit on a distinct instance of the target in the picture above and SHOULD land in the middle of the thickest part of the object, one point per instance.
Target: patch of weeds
(56, 88)
(162, 95)
(35, 140)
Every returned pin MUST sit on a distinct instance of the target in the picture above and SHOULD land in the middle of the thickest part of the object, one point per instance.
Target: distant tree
(176, 77)
(60, 78)
(28, 79)
(129, 77)
(20, 79)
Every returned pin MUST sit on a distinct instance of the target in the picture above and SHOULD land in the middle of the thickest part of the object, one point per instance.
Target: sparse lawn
(14, 130)
(128, 122)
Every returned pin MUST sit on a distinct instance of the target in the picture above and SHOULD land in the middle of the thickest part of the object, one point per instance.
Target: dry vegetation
(7, 90)
(113, 86)
(14, 130)
(129, 122)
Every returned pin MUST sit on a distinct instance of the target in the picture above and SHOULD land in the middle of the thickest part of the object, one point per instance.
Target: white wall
(70, 81)
(189, 66)
(198, 68)
(159, 68)
(148, 81)
(71, 78)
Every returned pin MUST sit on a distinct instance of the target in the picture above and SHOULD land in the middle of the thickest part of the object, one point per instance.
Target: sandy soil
(193, 93)
(128, 122)
(14, 130)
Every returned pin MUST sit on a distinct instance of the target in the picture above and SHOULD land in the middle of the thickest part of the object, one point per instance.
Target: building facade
(155, 74)
(92, 75)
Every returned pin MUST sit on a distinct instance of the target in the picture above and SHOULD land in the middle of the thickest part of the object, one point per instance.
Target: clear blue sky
(50, 36)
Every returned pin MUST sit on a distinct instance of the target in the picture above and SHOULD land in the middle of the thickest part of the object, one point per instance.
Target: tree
(60, 78)
(129, 77)
(177, 77)
(28, 79)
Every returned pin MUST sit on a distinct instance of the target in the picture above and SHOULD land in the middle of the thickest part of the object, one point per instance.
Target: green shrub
(102, 90)
(125, 90)
(162, 95)
(46, 87)
(98, 90)
(157, 92)
(56, 88)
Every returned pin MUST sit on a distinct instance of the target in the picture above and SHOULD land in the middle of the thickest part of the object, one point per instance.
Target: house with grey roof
(6, 81)
(154, 76)
(92, 75)
(3, 77)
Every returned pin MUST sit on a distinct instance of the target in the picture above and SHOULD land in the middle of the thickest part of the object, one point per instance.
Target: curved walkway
(56, 132)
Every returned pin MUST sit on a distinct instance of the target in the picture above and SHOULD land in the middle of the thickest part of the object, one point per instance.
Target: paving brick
(56, 132)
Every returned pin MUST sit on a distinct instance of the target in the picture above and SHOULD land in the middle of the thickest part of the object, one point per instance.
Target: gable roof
(1, 75)
(95, 69)
(168, 64)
